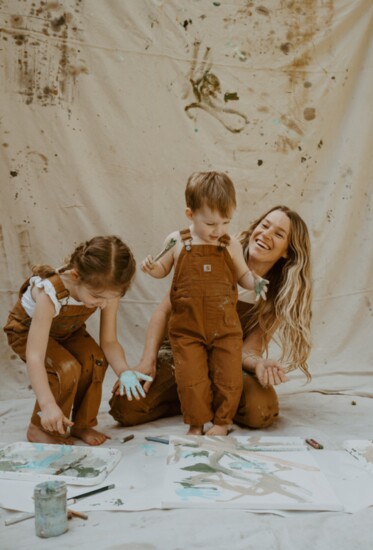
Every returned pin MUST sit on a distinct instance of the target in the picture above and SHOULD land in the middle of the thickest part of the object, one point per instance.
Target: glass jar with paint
(50, 508)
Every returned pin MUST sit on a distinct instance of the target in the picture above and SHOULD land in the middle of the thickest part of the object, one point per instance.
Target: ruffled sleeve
(28, 301)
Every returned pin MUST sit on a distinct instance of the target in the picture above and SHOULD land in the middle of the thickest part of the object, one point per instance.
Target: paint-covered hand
(260, 287)
(129, 382)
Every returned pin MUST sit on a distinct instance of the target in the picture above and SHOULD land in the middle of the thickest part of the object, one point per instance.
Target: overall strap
(224, 241)
(61, 290)
(186, 237)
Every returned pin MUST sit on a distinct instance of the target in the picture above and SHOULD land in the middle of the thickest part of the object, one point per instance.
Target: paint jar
(50, 508)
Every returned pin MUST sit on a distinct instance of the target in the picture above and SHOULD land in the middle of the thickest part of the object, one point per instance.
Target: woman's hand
(269, 373)
(53, 420)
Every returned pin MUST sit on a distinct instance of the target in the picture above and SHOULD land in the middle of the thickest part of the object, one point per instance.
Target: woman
(276, 247)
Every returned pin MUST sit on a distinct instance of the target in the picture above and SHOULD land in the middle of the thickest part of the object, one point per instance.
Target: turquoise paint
(207, 493)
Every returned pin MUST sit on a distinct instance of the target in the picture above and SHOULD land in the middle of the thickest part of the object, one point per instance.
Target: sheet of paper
(223, 472)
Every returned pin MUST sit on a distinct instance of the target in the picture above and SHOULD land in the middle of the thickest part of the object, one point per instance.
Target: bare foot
(218, 430)
(89, 435)
(195, 430)
(38, 435)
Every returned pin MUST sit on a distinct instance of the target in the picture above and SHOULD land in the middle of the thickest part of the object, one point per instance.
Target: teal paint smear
(207, 493)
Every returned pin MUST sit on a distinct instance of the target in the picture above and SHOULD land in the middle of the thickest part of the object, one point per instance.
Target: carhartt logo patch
(206, 268)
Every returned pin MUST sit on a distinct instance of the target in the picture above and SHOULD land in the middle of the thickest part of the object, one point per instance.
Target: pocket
(99, 369)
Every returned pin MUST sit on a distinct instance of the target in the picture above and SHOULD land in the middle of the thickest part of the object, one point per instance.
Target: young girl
(46, 328)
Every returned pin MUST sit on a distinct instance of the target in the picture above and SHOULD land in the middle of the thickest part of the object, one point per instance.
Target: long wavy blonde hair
(286, 314)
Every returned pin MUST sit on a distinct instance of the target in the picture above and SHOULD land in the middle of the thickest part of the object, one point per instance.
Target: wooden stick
(76, 514)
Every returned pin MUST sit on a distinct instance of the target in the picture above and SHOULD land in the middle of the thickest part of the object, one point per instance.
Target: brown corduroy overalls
(74, 362)
(205, 333)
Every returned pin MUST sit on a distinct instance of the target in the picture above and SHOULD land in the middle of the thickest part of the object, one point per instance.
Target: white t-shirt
(247, 296)
(28, 303)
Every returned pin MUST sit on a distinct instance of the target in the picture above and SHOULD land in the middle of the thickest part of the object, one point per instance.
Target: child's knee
(65, 373)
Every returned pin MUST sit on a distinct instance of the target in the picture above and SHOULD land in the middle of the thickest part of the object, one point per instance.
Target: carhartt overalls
(74, 362)
(205, 333)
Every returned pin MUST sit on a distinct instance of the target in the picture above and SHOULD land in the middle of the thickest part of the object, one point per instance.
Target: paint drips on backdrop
(207, 89)
(44, 66)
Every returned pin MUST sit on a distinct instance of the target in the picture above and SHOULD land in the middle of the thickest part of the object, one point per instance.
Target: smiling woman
(276, 246)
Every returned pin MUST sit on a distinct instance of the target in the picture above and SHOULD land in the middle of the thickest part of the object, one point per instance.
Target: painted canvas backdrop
(107, 107)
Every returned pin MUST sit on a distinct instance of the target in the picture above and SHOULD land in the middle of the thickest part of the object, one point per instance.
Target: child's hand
(129, 381)
(260, 287)
(147, 265)
(53, 420)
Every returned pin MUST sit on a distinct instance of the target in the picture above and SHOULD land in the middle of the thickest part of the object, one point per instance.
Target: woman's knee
(259, 406)
(127, 413)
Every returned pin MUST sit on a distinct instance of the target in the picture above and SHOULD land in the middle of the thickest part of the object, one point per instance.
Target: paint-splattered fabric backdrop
(107, 107)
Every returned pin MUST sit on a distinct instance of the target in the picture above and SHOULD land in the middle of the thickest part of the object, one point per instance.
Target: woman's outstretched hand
(270, 373)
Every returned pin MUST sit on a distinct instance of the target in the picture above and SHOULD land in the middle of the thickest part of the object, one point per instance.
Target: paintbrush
(168, 246)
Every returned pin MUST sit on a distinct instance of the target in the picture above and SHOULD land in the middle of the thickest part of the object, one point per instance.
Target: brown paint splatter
(41, 70)
(4, 263)
(16, 21)
(262, 10)
(43, 158)
(283, 144)
(285, 47)
(24, 242)
(291, 125)
(309, 113)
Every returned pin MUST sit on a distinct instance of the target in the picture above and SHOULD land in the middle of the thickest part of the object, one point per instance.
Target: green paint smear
(200, 453)
(199, 468)
(231, 96)
(84, 472)
(8, 466)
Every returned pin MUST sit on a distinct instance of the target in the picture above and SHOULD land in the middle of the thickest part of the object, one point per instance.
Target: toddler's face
(209, 225)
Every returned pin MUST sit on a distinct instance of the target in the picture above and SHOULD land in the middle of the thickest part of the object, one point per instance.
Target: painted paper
(208, 472)
(71, 463)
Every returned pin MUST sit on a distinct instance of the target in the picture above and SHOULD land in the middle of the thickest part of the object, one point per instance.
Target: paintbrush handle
(169, 245)
(19, 517)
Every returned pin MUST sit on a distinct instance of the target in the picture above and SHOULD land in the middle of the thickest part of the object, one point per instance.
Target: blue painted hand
(260, 287)
(129, 382)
